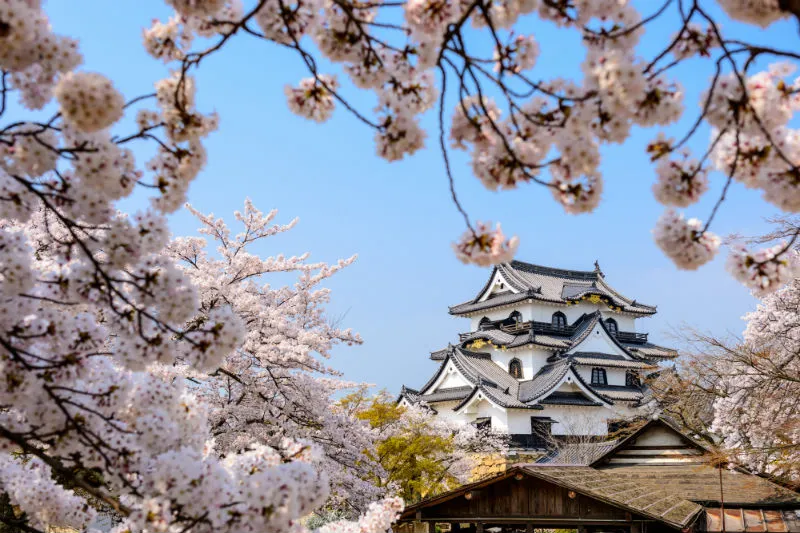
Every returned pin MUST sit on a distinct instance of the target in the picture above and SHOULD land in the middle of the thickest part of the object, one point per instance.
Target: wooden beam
(557, 522)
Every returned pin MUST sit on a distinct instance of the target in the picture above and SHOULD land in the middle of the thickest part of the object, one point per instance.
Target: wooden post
(529, 528)
(636, 527)
(431, 527)
(479, 527)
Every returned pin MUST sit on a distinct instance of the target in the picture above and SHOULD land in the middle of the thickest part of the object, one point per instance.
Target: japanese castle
(549, 352)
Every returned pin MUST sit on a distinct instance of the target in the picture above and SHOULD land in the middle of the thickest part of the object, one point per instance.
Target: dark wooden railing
(630, 336)
(548, 328)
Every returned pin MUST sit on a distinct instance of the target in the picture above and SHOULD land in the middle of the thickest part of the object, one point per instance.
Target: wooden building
(657, 479)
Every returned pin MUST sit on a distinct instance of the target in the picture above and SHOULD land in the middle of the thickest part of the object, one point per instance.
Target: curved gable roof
(587, 328)
(549, 284)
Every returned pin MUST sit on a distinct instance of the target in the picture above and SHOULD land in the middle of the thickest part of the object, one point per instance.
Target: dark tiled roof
(556, 285)
(445, 395)
(548, 377)
(497, 384)
(619, 392)
(577, 453)
(569, 398)
(412, 395)
(498, 337)
(439, 355)
(650, 351)
(495, 301)
(594, 359)
(651, 501)
(700, 483)
(486, 376)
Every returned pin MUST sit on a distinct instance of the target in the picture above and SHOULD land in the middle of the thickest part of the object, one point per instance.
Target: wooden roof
(625, 495)
(661, 505)
(701, 483)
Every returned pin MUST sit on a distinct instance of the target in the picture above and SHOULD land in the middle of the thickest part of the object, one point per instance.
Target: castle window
(599, 376)
(515, 317)
(541, 432)
(611, 325)
(559, 319)
(485, 323)
(515, 368)
(631, 378)
(483, 422)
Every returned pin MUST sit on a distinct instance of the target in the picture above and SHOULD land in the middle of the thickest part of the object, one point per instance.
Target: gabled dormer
(597, 337)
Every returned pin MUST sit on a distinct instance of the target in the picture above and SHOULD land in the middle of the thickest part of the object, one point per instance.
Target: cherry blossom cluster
(757, 394)
(685, 241)
(517, 129)
(31, 488)
(680, 182)
(765, 270)
(759, 12)
(277, 385)
(115, 354)
(485, 245)
(313, 98)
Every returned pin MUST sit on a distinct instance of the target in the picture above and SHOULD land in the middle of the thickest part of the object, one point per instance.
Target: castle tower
(549, 352)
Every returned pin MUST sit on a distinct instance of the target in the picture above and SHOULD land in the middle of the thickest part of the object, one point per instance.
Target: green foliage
(415, 454)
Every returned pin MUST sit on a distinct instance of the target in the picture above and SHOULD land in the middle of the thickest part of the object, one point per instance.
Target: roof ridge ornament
(597, 268)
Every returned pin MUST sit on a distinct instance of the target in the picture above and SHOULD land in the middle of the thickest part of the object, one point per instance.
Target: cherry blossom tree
(100, 327)
(518, 126)
(276, 385)
(741, 395)
(121, 358)
(758, 393)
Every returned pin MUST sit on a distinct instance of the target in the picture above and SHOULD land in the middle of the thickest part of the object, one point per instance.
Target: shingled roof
(646, 500)
(577, 453)
(534, 282)
(701, 483)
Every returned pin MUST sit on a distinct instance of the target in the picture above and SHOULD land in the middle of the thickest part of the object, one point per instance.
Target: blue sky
(398, 216)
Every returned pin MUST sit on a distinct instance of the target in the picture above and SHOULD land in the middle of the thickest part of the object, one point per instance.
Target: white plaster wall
(532, 359)
(449, 378)
(498, 285)
(445, 411)
(503, 358)
(573, 420)
(598, 341)
(483, 409)
(542, 312)
(570, 420)
(624, 322)
(453, 379)
(615, 376)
